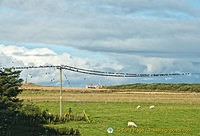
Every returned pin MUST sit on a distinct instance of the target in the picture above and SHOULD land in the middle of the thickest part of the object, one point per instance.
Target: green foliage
(70, 110)
(30, 119)
(73, 117)
(30, 124)
(160, 86)
(26, 120)
(9, 89)
(72, 132)
(36, 115)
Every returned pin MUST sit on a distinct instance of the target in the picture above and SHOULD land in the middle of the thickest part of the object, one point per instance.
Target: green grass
(136, 97)
(174, 112)
(160, 86)
(116, 114)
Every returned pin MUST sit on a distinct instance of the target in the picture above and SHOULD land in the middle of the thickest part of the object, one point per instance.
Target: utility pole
(60, 92)
(84, 83)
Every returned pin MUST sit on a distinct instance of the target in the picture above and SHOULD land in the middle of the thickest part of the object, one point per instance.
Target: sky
(134, 36)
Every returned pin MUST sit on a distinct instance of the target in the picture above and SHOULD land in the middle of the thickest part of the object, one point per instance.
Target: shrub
(9, 103)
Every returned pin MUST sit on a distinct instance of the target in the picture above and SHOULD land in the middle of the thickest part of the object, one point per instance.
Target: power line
(88, 71)
(98, 73)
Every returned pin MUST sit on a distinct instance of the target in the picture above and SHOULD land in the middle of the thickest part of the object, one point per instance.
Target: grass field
(160, 86)
(175, 113)
(151, 97)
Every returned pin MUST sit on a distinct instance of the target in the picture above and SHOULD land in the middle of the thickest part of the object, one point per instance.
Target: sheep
(132, 124)
(138, 107)
(152, 107)
(49, 113)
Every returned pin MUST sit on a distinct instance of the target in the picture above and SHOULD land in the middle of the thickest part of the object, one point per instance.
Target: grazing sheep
(152, 107)
(132, 124)
(138, 107)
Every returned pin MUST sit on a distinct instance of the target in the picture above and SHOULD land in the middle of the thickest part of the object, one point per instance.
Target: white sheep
(132, 124)
(49, 113)
(138, 107)
(152, 107)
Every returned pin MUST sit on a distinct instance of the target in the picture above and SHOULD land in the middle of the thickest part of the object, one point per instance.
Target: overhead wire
(98, 73)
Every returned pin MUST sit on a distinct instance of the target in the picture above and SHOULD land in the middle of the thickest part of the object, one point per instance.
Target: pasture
(174, 113)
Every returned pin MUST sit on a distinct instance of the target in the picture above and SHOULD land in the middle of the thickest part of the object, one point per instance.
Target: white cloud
(21, 56)
(151, 28)
(136, 36)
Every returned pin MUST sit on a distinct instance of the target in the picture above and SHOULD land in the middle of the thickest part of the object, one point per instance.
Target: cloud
(20, 56)
(136, 36)
(151, 28)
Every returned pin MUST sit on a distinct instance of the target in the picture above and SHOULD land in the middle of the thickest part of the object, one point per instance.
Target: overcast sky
(135, 36)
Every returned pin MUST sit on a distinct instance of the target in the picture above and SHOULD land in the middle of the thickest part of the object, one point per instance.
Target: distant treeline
(159, 86)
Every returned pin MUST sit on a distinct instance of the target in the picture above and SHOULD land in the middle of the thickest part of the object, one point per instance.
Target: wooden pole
(60, 92)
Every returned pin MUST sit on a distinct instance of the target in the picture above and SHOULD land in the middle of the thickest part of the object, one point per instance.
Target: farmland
(160, 86)
(174, 113)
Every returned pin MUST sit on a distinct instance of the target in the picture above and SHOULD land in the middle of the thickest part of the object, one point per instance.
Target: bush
(30, 119)
(16, 120)
(9, 103)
